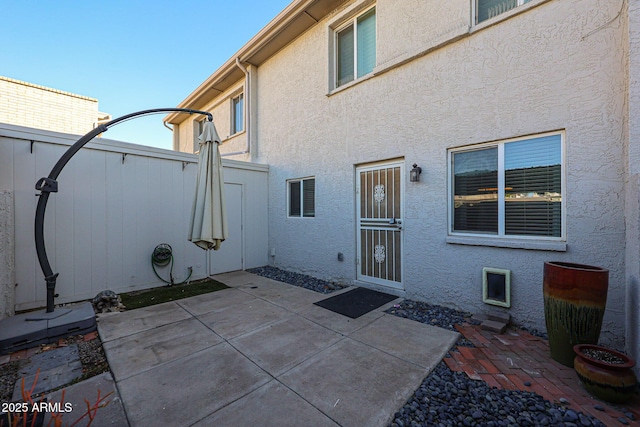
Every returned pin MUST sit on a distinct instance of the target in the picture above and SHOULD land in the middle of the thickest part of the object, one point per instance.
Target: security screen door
(379, 191)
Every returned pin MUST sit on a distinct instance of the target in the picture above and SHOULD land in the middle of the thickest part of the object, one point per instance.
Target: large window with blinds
(355, 48)
(302, 198)
(509, 188)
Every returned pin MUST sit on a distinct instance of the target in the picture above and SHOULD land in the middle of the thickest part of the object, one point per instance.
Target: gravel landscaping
(296, 279)
(447, 398)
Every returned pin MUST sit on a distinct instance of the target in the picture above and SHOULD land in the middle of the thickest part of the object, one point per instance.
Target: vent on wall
(496, 286)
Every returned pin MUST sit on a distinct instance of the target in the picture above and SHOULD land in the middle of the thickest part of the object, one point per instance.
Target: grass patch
(138, 299)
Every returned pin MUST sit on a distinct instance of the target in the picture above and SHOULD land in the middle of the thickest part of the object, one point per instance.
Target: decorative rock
(584, 420)
(599, 407)
(107, 301)
(571, 415)
(296, 279)
(481, 405)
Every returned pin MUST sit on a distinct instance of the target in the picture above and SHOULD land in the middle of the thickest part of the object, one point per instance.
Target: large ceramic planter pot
(605, 373)
(575, 296)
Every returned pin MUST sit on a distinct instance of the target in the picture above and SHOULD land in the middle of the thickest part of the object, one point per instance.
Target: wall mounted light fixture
(414, 174)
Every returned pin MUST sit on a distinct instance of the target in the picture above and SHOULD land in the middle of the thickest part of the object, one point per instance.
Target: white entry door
(379, 195)
(229, 256)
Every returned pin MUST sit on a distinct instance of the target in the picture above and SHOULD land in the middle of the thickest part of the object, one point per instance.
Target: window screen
(302, 198)
(517, 193)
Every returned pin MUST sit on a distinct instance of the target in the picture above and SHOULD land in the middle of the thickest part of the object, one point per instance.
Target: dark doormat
(355, 303)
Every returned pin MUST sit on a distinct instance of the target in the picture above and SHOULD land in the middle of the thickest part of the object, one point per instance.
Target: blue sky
(129, 54)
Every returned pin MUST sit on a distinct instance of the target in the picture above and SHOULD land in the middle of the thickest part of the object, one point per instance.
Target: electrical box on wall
(496, 286)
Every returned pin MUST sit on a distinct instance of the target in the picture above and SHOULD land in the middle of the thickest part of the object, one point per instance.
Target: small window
(302, 197)
(237, 114)
(487, 9)
(198, 126)
(355, 48)
(510, 188)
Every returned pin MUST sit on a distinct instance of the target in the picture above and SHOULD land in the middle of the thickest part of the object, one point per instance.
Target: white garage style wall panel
(116, 202)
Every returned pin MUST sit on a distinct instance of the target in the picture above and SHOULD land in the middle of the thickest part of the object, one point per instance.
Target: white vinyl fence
(116, 201)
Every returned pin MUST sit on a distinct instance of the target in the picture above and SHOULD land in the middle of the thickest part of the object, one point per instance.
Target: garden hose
(163, 255)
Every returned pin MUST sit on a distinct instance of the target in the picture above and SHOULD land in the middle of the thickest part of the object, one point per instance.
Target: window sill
(531, 244)
(506, 15)
(235, 135)
(350, 84)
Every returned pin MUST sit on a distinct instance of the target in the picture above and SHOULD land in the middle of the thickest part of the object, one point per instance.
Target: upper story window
(237, 114)
(355, 48)
(302, 197)
(508, 189)
(487, 9)
(198, 126)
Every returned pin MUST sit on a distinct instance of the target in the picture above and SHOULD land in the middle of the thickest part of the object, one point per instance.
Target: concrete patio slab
(133, 354)
(117, 325)
(184, 391)
(261, 353)
(243, 318)
(235, 278)
(280, 346)
(337, 322)
(292, 298)
(271, 405)
(355, 384)
(110, 414)
(414, 342)
(214, 301)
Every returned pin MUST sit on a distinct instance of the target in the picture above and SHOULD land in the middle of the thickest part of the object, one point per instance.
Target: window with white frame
(198, 126)
(302, 197)
(237, 114)
(487, 9)
(510, 188)
(355, 48)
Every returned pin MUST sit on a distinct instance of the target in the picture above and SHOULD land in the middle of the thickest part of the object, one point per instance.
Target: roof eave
(294, 20)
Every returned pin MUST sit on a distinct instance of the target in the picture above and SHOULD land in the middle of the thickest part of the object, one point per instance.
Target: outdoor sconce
(414, 175)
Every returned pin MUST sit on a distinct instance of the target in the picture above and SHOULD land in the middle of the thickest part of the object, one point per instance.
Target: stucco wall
(558, 65)
(40, 107)
(446, 19)
(7, 261)
(632, 208)
(220, 108)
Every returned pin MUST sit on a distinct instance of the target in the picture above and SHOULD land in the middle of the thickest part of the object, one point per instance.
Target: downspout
(247, 109)
(173, 136)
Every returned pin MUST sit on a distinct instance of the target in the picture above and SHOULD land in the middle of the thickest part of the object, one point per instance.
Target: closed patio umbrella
(208, 224)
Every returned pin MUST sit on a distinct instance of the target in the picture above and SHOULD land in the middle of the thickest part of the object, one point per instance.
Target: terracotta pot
(613, 382)
(575, 296)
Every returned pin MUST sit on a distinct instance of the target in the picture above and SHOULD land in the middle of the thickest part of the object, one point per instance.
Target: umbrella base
(39, 327)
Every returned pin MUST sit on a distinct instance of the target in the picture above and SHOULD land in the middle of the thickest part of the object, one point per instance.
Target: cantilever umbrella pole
(50, 185)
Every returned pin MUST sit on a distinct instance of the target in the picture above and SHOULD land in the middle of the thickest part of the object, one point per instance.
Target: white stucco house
(521, 114)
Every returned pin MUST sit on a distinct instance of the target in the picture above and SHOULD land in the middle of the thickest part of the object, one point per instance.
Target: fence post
(7, 259)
